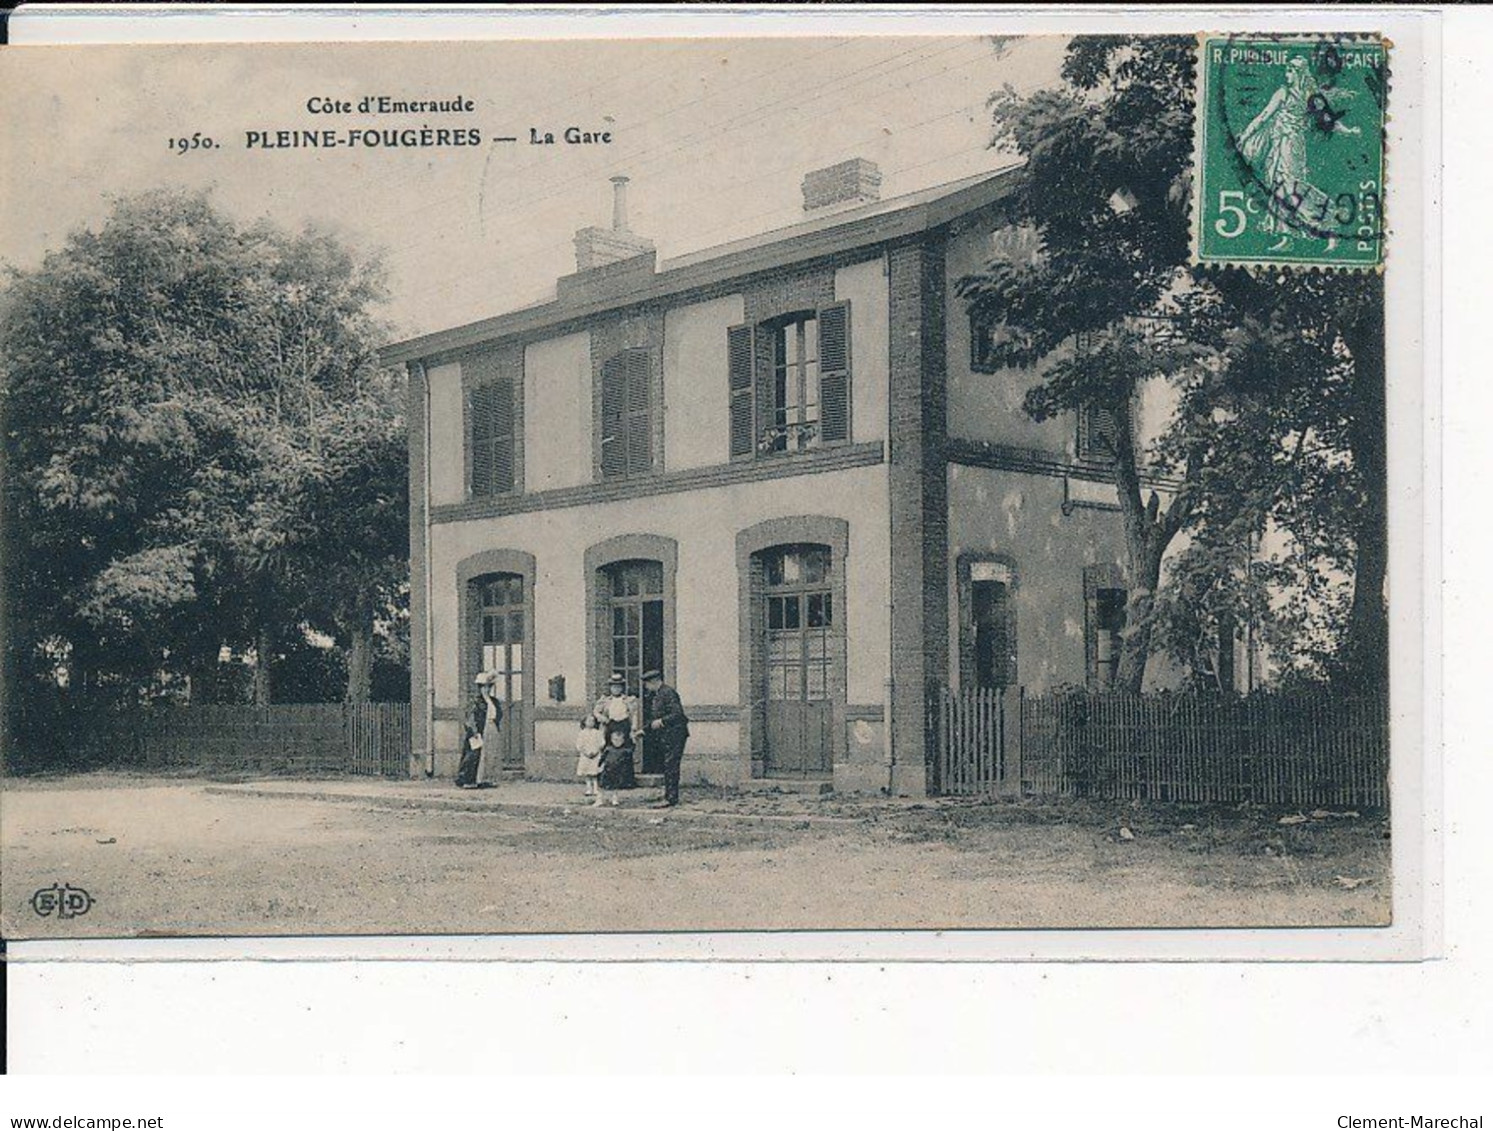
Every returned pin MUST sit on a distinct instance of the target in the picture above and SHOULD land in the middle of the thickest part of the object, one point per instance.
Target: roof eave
(868, 231)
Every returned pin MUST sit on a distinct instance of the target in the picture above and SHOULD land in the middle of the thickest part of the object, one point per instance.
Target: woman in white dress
(480, 748)
(491, 754)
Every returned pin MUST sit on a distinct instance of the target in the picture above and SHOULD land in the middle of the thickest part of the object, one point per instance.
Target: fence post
(1011, 740)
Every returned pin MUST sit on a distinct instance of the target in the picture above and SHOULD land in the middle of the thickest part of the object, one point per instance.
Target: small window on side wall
(988, 624)
(1105, 595)
(987, 334)
(1109, 627)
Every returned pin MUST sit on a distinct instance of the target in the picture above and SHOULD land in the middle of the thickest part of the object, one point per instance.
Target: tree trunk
(1365, 652)
(1143, 576)
(1148, 532)
(359, 665)
(202, 673)
(263, 650)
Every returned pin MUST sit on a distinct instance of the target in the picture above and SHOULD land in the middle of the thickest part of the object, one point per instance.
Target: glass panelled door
(504, 652)
(636, 612)
(802, 657)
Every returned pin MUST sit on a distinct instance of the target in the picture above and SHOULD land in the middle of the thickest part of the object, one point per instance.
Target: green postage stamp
(1289, 161)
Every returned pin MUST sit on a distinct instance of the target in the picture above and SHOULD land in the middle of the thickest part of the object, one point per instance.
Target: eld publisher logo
(62, 900)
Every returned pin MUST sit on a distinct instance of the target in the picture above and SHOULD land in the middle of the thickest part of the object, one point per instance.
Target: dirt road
(162, 856)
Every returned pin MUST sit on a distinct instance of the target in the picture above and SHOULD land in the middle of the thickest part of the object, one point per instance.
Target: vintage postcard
(716, 484)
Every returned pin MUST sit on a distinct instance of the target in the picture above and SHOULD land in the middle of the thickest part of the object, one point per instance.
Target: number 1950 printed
(199, 140)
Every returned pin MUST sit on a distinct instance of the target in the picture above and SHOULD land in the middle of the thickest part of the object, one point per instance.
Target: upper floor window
(627, 415)
(1096, 433)
(986, 333)
(982, 343)
(1097, 426)
(795, 385)
(493, 424)
(790, 382)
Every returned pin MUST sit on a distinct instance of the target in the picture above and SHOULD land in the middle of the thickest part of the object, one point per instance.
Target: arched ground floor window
(496, 589)
(630, 592)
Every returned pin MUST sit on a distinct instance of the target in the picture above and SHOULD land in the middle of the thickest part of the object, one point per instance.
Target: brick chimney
(856, 181)
(596, 247)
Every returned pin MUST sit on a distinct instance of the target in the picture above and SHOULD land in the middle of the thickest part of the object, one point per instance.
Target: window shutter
(495, 385)
(614, 418)
(765, 343)
(742, 386)
(981, 339)
(639, 416)
(502, 447)
(627, 415)
(481, 410)
(834, 373)
(1097, 433)
(492, 438)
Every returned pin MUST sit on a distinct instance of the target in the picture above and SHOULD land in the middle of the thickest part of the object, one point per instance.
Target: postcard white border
(1413, 330)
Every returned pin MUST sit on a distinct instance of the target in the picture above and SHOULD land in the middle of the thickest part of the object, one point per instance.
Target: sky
(715, 135)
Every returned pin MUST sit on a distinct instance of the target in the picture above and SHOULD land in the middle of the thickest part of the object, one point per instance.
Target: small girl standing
(588, 747)
(616, 765)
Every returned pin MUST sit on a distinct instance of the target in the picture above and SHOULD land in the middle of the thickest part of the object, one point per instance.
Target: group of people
(609, 739)
(611, 733)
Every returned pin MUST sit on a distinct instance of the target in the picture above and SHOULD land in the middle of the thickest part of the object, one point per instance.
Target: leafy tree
(346, 523)
(1277, 379)
(170, 383)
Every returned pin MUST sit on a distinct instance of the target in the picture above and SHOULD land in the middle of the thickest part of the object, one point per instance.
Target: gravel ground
(193, 857)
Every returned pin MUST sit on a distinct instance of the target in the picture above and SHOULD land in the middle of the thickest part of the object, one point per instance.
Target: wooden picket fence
(370, 739)
(1289, 748)
(970, 740)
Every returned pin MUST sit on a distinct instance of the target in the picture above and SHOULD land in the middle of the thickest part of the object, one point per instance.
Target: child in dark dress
(616, 764)
(621, 718)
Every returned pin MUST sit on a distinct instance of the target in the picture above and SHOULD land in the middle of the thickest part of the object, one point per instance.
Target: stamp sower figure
(671, 726)
(480, 733)
(1275, 144)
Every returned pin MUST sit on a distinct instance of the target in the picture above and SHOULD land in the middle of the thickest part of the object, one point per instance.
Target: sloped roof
(712, 267)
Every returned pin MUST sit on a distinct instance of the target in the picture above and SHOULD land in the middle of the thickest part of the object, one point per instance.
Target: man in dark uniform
(670, 725)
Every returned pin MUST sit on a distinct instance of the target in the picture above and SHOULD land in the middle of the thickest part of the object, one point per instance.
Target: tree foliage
(181, 394)
(1272, 461)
